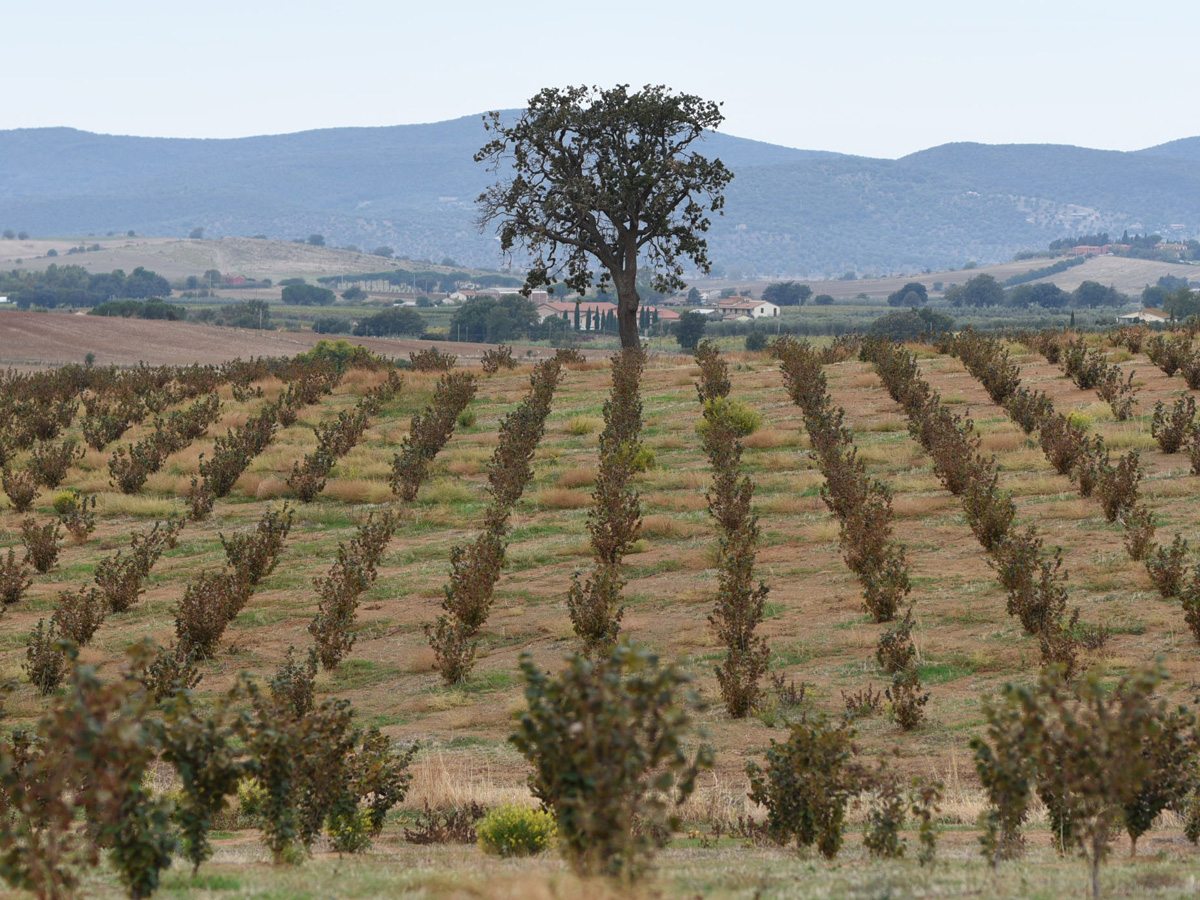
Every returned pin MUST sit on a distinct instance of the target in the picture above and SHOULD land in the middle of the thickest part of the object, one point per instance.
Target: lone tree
(608, 176)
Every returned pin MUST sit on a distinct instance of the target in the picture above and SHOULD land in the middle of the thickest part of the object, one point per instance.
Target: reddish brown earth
(28, 338)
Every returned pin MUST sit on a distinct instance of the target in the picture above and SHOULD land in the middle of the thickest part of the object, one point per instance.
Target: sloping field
(177, 257)
(1127, 275)
(815, 622)
(819, 636)
(46, 338)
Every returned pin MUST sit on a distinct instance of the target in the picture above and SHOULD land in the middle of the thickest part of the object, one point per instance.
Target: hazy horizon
(872, 80)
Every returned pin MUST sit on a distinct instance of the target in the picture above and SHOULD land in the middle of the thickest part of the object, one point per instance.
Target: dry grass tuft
(665, 527)
(580, 476)
(769, 438)
(910, 507)
(1002, 441)
(581, 425)
(820, 532)
(559, 498)
(116, 504)
(351, 490)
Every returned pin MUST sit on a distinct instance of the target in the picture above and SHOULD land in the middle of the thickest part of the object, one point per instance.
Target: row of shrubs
(615, 516)
(863, 507)
(236, 449)
(354, 570)
(1035, 580)
(741, 597)
(36, 406)
(338, 437)
(215, 598)
(429, 432)
(475, 568)
(613, 754)
(117, 584)
(130, 467)
(1085, 458)
(1101, 758)
(1064, 440)
(1090, 370)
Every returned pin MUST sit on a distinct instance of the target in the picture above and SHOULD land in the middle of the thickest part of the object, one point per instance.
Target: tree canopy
(396, 320)
(912, 294)
(75, 286)
(982, 290)
(689, 329)
(605, 176)
(905, 326)
(494, 319)
(787, 293)
(307, 295)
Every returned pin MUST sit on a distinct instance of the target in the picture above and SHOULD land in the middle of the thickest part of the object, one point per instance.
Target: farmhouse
(1145, 315)
(753, 309)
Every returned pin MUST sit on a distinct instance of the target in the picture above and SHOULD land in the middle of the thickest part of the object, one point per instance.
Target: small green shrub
(742, 418)
(608, 740)
(581, 425)
(807, 784)
(515, 830)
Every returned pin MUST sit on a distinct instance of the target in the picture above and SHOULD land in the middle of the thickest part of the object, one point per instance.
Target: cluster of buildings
(592, 314)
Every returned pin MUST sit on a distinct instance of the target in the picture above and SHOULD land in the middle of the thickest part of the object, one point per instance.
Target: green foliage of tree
(912, 294)
(807, 784)
(689, 329)
(1092, 295)
(138, 309)
(823, 300)
(354, 294)
(982, 290)
(332, 325)
(608, 742)
(1045, 295)
(307, 295)
(494, 319)
(906, 326)
(386, 322)
(610, 177)
(316, 240)
(1182, 303)
(254, 314)
(787, 293)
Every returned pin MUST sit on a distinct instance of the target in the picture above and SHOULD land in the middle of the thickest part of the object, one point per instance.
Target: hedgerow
(615, 516)
(740, 599)
(429, 432)
(475, 569)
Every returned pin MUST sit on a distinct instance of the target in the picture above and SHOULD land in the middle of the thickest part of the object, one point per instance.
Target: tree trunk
(627, 309)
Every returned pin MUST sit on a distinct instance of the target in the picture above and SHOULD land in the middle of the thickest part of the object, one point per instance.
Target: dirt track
(28, 338)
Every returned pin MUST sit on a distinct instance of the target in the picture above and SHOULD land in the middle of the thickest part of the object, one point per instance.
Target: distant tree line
(140, 309)
(75, 286)
(1045, 271)
(985, 290)
(425, 281)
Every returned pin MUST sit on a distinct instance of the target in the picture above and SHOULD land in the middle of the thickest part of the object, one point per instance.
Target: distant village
(589, 315)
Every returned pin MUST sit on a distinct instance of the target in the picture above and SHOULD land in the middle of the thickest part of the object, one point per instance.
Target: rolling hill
(789, 211)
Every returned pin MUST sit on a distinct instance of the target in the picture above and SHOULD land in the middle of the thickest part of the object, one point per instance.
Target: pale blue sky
(874, 78)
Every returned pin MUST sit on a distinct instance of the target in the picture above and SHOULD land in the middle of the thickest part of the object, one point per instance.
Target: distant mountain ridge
(412, 187)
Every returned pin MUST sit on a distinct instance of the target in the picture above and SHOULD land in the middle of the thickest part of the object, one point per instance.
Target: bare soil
(28, 338)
